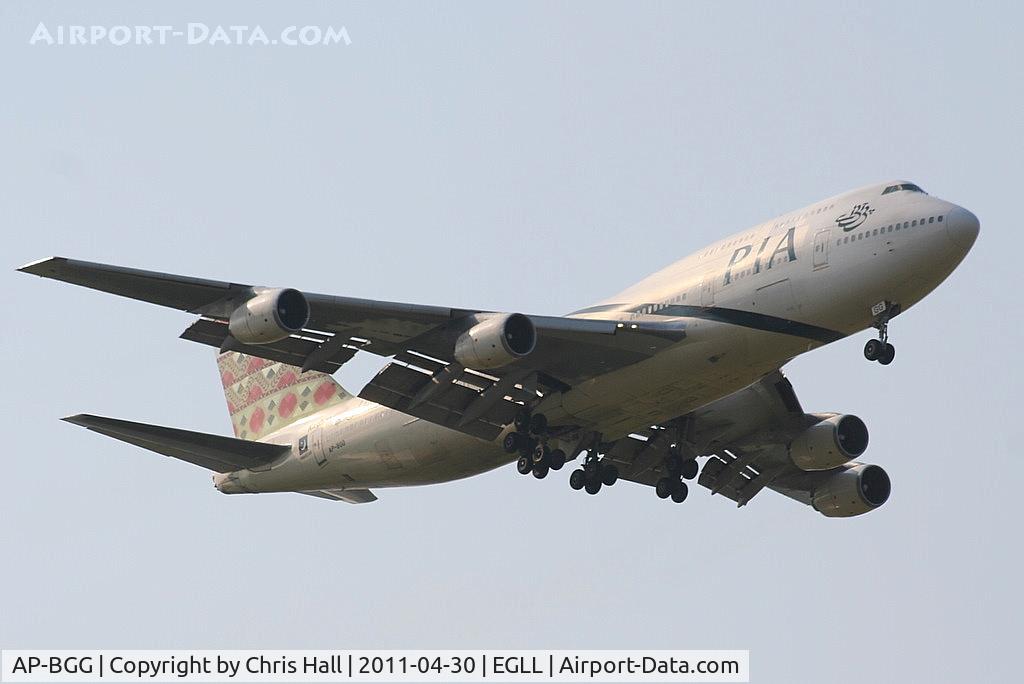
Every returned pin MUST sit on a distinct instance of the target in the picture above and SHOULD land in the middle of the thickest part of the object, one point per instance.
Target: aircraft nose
(962, 227)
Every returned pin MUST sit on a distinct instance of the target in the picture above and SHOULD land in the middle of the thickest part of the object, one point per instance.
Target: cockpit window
(903, 186)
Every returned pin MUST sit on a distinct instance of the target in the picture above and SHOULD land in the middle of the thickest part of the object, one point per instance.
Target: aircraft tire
(577, 479)
(887, 355)
(556, 459)
(663, 488)
(873, 350)
(511, 443)
(689, 469)
(524, 465)
(679, 492)
(609, 475)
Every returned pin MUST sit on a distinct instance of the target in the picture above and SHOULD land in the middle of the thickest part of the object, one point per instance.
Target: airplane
(681, 367)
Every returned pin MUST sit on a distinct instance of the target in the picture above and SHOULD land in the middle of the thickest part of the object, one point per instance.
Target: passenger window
(876, 232)
(906, 224)
(914, 222)
(931, 219)
(940, 219)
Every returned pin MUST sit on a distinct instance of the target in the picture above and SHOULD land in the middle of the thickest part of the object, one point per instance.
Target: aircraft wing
(745, 437)
(423, 378)
(217, 453)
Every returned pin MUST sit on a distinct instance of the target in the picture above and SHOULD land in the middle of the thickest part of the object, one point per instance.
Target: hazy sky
(527, 158)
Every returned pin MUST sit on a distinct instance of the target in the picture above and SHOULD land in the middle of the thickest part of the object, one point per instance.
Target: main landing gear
(594, 474)
(678, 469)
(880, 350)
(530, 441)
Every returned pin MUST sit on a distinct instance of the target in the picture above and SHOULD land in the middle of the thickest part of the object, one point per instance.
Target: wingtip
(38, 267)
(77, 419)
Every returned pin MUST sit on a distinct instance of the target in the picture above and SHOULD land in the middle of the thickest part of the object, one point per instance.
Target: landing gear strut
(880, 350)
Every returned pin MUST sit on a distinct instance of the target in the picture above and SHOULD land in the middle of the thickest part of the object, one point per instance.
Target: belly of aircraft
(715, 359)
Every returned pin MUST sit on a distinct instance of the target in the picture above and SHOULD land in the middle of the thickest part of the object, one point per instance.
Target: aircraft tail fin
(263, 396)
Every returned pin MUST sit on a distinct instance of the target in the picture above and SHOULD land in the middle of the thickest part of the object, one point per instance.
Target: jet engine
(829, 443)
(272, 315)
(856, 489)
(496, 341)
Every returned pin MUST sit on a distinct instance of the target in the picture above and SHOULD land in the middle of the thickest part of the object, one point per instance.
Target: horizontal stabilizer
(353, 496)
(218, 453)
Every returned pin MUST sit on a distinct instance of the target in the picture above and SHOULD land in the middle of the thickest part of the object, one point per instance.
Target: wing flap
(215, 452)
(396, 385)
(302, 351)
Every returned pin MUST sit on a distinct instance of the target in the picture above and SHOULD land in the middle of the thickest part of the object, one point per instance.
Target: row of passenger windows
(888, 229)
(746, 239)
(652, 308)
(737, 275)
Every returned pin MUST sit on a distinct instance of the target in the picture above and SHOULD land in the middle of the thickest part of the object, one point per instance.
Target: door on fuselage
(821, 249)
(707, 290)
(316, 438)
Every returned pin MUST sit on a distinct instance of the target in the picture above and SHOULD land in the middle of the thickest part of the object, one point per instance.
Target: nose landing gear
(880, 350)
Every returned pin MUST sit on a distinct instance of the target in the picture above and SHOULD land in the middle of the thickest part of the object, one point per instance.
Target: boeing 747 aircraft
(680, 368)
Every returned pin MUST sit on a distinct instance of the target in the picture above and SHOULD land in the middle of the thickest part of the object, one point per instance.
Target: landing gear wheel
(577, 479)
(538, 424)
(542, 455)
(511, 443)
(689, 469)
(556, 459)
(524, 465)
(593, 486)
(663, 488)
(609, 475)
(873, 350)
(887, 355)
(679, 492)
(540, 471)
(522, 421)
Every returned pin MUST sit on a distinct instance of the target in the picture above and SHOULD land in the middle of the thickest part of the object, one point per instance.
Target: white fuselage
(749, 303)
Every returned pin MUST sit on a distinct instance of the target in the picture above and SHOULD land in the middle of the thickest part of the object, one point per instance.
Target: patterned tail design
(264, 396)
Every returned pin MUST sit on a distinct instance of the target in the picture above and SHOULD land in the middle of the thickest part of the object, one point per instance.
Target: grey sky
(530, 158)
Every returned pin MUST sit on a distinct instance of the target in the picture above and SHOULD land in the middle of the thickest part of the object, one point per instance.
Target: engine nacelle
(857, 489)
(272, 315)
(830, 443)
(496, 341)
